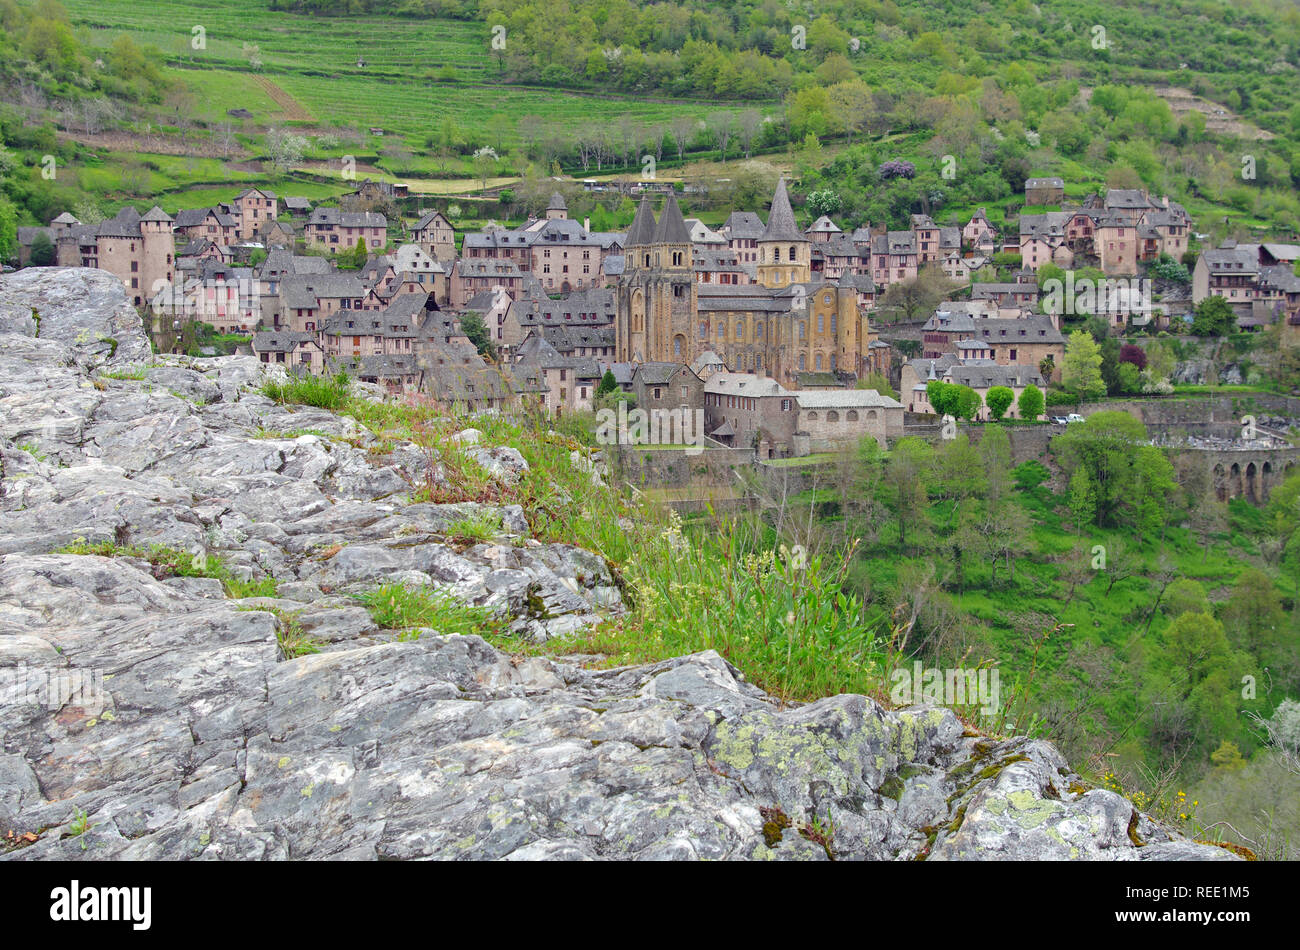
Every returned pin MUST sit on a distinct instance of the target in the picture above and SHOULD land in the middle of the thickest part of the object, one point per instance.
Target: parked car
(1073, 417)
(1058, 420)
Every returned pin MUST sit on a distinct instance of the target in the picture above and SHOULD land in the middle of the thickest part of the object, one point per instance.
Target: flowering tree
(825, 202)
(895, 168)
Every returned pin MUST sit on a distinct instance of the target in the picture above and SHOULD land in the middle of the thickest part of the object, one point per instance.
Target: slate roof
(780, 221)
(824, 225)
(744, 384)
(281, 341)
(347, 219)
(845, 399)
(983, 374)
(643, 225)
(743, 225)
(671, 228)
(1231, 260)
(658, 373)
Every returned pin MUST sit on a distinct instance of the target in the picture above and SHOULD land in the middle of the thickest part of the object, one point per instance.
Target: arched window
(740, 328)
(794, 253)
(851, 415)
(821, 323)
(812, 417)
(803, 327)
(818, 363)
(704, 331)
(677, 346)
(832, 416)
(803, 362)
(776, 255)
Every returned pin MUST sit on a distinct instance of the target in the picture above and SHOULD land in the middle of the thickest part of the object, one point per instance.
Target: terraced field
(309, 68)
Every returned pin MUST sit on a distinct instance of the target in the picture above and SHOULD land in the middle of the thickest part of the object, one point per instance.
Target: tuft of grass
(32, 449)
(256, 587)
(264, 433)
(397, 607)
(483, 525)
(173, 562)
(294, 641)
(319, 391)
(79, 826)
(131, 372)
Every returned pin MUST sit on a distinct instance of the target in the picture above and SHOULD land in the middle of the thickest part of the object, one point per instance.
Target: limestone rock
(171, 715)
(85, 308)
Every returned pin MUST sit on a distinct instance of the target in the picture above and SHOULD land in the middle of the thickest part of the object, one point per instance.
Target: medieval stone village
(755, 341)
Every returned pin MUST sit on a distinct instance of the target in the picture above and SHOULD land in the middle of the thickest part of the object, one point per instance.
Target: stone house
(296, 351)
(1044, 191)
(335, 230)
(666, 386)
(253, 208)
(435, 234)
(533, 308)
(743, 230)
(1016, 295)
(979, 234)
(823, 230)
(833, 419)
(979, 374)
(744, 410)
(895, 256)
(471, 278)
(1026, 340)
(1230, 271)
(137, 249)
(215, 225)
(570, 381)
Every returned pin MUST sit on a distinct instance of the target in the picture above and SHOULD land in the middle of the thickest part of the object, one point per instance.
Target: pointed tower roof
(672, 227)
(643, 225)
(156, 214)
(780, 221)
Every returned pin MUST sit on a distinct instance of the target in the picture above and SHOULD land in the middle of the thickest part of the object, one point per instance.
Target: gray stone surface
(206, 742)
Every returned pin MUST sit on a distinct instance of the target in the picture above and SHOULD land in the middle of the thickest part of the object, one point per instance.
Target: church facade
(790, 322)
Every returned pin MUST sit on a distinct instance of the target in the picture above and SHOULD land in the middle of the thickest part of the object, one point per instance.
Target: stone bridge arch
(1249, 475)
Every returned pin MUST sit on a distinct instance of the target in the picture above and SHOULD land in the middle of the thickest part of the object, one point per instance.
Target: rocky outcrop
(148, 715)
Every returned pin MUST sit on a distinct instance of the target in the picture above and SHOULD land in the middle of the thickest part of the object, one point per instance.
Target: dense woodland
(1113, 588)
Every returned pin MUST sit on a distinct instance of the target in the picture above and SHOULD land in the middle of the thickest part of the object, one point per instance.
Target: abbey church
(791, 321)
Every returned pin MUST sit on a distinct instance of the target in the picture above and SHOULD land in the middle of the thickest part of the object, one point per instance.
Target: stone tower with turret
(656, 294)
(784, 252)
(157, 253)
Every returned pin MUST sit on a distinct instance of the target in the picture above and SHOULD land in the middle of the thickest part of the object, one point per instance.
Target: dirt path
(291, 108)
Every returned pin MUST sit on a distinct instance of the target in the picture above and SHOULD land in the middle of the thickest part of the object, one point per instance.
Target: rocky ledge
(206, 740)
